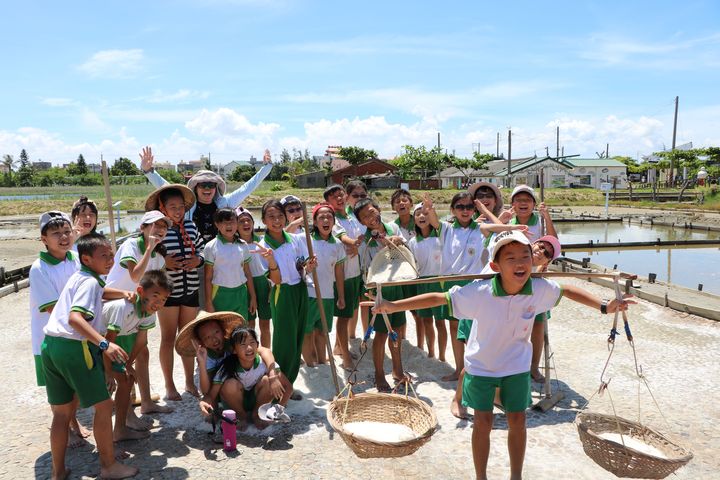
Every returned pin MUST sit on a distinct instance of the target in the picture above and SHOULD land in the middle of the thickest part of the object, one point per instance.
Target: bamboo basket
(387, 408)
(623, 461)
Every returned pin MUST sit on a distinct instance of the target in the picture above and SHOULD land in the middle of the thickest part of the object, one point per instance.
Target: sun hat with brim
(153, 216)
(153, 200)
(557, 249)
(472, 190)
(228, 320)
(503, 238)
(523, 189)
(203, 176)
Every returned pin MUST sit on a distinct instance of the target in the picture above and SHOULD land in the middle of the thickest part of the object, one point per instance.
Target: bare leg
(320, 347)
(442, 338)
(458, 352)
(365, 318)
(538, 341)
(308, 350)
(232, 393)
(517, 439)
(187, 314)
(456, 407)
(168, 318)
(342, 342)
(420, 329)
(396, 356)
(102, 430)
(352, 324)
(142, 375)
(429, 335)
(378, 354)
(121, 431)
(482, 426)
(265, 338)
(59, 438)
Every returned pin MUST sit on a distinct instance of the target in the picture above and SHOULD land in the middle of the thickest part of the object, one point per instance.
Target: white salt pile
(634, 443)
(380, 431)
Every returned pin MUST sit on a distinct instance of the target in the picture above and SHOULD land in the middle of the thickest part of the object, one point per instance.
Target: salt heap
(634, 443)
(380, 432)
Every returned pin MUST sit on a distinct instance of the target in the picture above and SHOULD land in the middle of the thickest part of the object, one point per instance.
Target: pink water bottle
(229, 430)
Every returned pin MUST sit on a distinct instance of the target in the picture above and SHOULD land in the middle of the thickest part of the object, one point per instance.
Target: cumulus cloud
(181, 96)
(114, 64)
(225, 122)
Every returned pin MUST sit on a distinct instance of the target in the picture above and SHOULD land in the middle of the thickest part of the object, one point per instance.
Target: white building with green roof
(568, 172)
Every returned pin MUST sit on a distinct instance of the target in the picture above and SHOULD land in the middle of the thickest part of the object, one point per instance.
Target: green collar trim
(139, 310)
(532, 221)
(411, 224)
(434, 232)
(142, 246)
(343, 214)
(315, 235)
(94, 275)
(472, 225)
(368, 234)
(49, 259)
(255, 237)
(255, 364)
(499, 291)
(222, 240)
(274, 244)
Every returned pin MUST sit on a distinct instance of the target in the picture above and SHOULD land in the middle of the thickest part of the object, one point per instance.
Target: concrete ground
(679, 355)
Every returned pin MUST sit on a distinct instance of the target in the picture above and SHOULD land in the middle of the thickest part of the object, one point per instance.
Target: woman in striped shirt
(182, 244)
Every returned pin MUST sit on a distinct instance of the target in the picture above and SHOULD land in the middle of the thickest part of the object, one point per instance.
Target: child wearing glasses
(293, 212)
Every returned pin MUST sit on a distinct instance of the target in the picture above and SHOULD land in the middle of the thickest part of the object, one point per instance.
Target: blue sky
(232, 77)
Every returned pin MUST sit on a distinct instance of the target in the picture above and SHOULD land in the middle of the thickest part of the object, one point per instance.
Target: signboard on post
(606, 187)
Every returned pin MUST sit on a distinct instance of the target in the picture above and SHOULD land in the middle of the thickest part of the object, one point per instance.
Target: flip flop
(273, 413)
(384, 389)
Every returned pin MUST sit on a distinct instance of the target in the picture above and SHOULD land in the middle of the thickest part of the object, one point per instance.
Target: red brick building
(371, 167)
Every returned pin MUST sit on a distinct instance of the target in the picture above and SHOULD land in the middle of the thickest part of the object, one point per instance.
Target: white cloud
(225, 122)
(114, 63)
(181, 96)
(57, 102)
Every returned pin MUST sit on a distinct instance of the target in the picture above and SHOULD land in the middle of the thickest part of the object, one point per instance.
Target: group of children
(198, 248)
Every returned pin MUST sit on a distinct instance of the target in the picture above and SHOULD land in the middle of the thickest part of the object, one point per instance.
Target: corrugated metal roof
(596, 162)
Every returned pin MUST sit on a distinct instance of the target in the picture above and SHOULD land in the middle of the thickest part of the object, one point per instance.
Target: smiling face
(152, 298)
(514, 263)
(293, 211)
(542, 253)
(324, 221)
(402, 205)
(337, 200)
(227, 228)
(523, 203)
(205, 192)
(58, 240)
(274, 220)
(158, 229)
(463, 211)
(175, 208)
(245, 226)
(101, 260)
(486, 197)
(422, 218)
(246, 349)
(211, 335)
(356, 195)
(370, 217)
(86, 219)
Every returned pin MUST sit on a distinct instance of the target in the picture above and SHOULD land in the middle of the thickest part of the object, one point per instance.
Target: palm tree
(9, 162)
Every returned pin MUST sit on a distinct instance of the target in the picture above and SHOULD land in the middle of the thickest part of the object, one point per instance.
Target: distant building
(568, 172)
(94, 168)
(456, 178)
(40, 166)
(371, 167)
(227, 169)
(4, 168)
(316, 179)
(192, 166)
(164, 166)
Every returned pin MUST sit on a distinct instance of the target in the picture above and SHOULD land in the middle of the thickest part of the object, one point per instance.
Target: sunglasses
(207, 185)
(293, 210)
(548, 252)
(484, 195)
(359, 195)
(464, 206)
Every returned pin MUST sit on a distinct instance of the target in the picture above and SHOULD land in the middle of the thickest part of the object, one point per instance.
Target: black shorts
(188, 300)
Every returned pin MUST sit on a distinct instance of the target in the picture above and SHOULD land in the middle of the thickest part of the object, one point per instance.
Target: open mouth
(520, 273)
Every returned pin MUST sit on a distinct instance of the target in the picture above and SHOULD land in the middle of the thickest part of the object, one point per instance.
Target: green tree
(25, 174)
(285, 156)
(206, 165)
(9, 162)
(242, 173)
(466, 165)
(420, 160)
(356, 155)
(124, 166)
(172, 176)
(81, 165)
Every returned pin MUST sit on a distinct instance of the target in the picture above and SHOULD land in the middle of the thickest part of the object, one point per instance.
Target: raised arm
(235, 198)
(549, 227)
(147, 165)
(487, 228)
(580, 295)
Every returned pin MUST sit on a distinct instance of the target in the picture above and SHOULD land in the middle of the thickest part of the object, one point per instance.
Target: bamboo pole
(318, 296)
(108, 199)
(486, 276)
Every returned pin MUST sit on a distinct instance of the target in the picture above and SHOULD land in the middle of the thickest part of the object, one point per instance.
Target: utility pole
(557, 141)
(497, 148)
(607, 150)
(438, 140)
(509, 183)
(672, 158)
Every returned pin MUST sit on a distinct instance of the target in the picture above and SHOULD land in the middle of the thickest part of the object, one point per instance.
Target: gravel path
(679, 354)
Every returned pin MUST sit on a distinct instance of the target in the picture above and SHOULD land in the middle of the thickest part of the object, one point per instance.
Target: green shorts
(436, 312)
(397, 319)
(249, 399)
(353, 290)
(262, 293)
(231, 299)
(39, 373)
(541, 317)
(68, 373)
(126, 342)
(478, 392)
(312, 321)
(463, 332)
(446, 287)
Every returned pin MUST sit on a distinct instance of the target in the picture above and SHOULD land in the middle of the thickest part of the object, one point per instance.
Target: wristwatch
(276, 368)
(603, 307)
(103, 345)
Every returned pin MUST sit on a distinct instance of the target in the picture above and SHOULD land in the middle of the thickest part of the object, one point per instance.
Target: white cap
(503, 238)
(47, 217)
(153, 216)
(523, 189)
(289, 199)
(417, 207)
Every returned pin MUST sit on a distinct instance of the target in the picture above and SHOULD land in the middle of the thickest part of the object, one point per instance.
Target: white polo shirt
(369, 247)
(227, 260)
(329, 253)
(258, 266)
(286, 255)
(349, 225)
(406, 233)
(462, 249)
(534, 226)
(48, 277)
(82, 293)
(131, 250)
(428, 252)
(125, 317)
(499, 341)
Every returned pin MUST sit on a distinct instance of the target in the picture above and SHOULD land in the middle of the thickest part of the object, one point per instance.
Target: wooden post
(108, 199)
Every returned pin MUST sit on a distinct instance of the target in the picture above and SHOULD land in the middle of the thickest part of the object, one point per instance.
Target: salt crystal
(380, 431)
(634, 443)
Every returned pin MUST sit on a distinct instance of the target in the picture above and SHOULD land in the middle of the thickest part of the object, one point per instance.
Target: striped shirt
(184, 282)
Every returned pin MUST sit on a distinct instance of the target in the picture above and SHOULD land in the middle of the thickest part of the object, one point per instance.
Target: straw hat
(228, 320)
(472, 189)
(153, 200)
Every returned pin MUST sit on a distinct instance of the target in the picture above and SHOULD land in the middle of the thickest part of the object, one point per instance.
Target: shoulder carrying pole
(108, 199)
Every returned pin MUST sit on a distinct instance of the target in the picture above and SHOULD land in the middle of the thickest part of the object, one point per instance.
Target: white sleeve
(42, 290)
(209, 252)
(464, 301)
(129, 253)
(114, 315)
(547, 292)
(84, 299)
